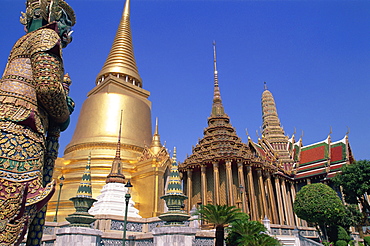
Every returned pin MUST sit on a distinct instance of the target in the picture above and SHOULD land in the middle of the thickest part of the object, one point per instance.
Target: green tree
(353, 217)
(319, 204)
(244, 232)
(355, 181)
(336, 233)
(220, 216)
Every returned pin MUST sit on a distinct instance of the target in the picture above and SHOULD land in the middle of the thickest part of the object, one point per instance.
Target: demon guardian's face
(65, 29)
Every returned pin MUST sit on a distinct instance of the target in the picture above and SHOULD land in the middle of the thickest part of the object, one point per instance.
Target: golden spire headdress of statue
(49, 10)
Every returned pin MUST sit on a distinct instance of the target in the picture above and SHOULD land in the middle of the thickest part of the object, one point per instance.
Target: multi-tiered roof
(220, 141)
(274, 150)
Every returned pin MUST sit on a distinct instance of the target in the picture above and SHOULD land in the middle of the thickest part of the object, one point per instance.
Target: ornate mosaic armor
(32, 100)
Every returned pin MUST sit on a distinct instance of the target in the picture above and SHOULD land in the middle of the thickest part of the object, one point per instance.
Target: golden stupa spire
(121, 60)
(272, 130)
(115, 175)
(156, 141)
(217, 107)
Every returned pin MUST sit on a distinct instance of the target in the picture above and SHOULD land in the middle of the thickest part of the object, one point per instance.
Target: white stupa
(111, 201)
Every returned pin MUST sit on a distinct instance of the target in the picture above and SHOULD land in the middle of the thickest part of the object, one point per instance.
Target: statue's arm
(48, 72)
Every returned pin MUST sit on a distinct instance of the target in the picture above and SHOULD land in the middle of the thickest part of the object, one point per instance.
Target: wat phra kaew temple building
(261, 177)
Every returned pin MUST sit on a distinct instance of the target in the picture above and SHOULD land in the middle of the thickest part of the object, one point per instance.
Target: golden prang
(49, 10)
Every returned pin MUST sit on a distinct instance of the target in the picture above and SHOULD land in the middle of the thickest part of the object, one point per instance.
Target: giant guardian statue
(34, 108)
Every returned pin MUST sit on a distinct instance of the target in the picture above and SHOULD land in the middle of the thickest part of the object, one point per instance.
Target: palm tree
(220, 216)
(245, 232)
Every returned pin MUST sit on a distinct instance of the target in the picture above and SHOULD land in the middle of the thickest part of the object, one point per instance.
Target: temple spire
(174, 197)
(174, 184)
(156, 141)
(83, 201)
(215, 64)
(121, 60)
(115, 175)
(271, 127)
(217, 107)
(273, 132)
(84, 190)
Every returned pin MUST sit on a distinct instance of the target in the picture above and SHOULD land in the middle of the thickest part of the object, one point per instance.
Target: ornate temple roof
(121, 60)
(324, 158)
(220, 141)
(156, 151)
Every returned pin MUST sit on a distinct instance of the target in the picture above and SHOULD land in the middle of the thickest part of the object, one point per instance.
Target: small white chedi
(111, 201)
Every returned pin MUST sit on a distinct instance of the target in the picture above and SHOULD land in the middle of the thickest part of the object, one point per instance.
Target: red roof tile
(337, 153)
(312, 154)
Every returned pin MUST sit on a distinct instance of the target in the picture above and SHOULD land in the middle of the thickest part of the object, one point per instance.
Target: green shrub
(340, 243)
(360, 244)
(343, 235)
(326, 243)
(367, 240)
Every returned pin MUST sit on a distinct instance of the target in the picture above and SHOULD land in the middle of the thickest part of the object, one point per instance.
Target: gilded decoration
(34, 108)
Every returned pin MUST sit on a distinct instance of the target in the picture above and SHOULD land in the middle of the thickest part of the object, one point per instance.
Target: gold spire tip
(214, 57)
(126, 11)
(156, 125)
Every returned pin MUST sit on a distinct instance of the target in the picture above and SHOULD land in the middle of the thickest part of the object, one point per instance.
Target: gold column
(290, 207)
(272, 199)
(279, 200)
(293, 193)
(229, 179)
(156, 192)
(216, 184)
(203, 184)
(285, 202)
(189, 188)
(245, 207)
(252, 195)
(263, 194)
(308, 181)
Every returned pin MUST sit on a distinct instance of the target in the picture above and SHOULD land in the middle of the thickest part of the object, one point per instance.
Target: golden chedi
(118, 88)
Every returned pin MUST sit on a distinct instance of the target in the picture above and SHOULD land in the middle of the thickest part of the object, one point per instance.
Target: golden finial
(156, 141)
(121, 60)
(215, 64)
(156, 125)
(217, 107)
(126, 11)
(246, 133)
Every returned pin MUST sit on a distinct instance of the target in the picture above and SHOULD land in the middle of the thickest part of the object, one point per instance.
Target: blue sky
(314, 56)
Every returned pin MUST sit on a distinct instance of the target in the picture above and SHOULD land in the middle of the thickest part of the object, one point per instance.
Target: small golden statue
(34, 108)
